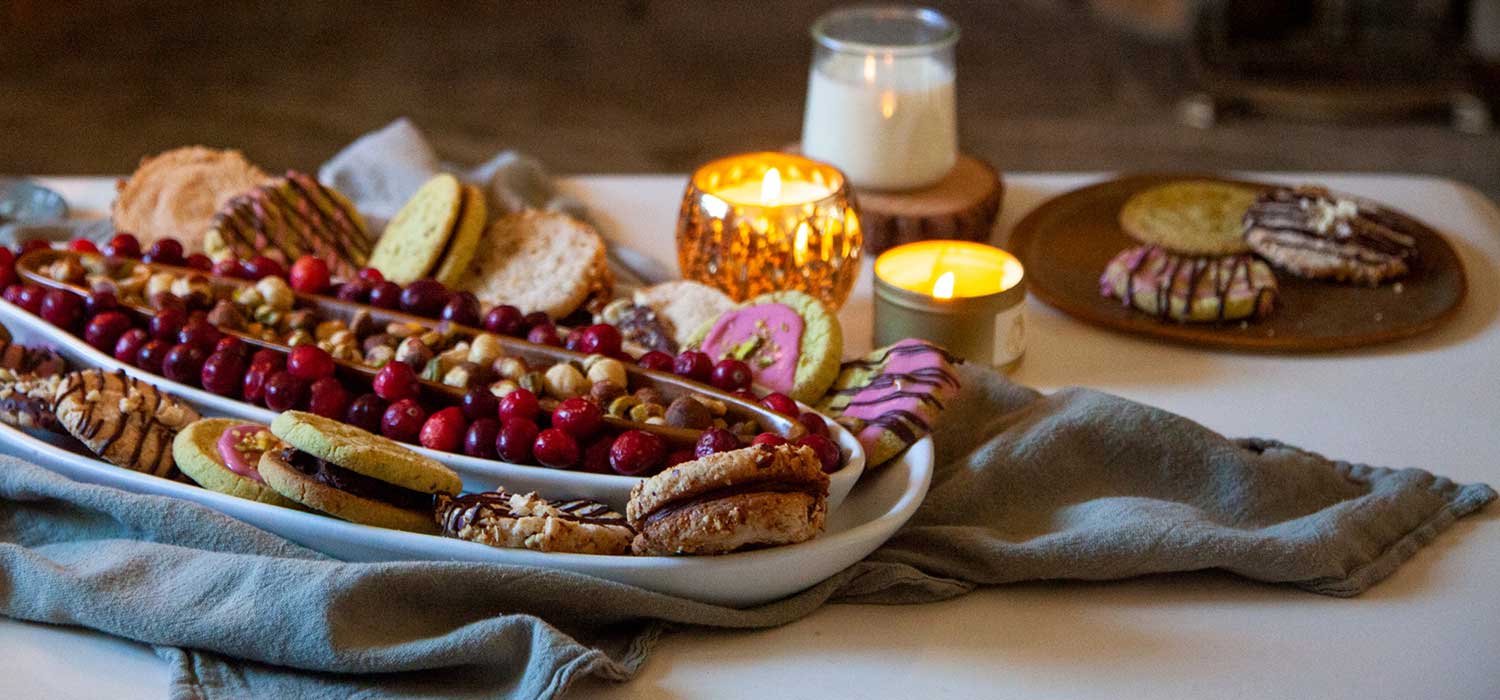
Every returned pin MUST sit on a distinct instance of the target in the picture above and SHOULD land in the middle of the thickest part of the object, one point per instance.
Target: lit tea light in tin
(967, 297)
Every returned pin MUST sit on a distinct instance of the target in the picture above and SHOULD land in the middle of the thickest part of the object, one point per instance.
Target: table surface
(1432, 630)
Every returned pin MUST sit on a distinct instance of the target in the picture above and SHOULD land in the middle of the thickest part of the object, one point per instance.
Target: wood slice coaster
(963, 205)
(1066, 242)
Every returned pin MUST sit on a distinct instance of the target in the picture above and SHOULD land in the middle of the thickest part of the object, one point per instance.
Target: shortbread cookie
(26, 400)
(684, 306)
(757, 496)
(414, 240)
(473, 213)
(791, 341)
(1190, 289)
(127, 422)
(538, 261)
(527, 521)
(287, 218)
(1197, 217)
(176, 194)
(892, 397)
(1311, 233)
(223, 454)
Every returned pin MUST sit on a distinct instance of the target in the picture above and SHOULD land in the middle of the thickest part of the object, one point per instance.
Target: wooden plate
(1066, 242)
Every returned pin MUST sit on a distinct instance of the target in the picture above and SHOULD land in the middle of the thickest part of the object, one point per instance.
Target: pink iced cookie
(893, 396)
(241, 447)
(790, 340)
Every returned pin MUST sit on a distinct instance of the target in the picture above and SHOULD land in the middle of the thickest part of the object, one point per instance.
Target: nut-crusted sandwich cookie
(758, 496)
(354, 475)
(1311, 233)
(175, 194)
(223, 454)
(791, 341)
(539, 261)
(1190, 289)
(287, 218)
(1194, 217)
(124, 420)
(892, 397)
(502, 519)
(435, 233)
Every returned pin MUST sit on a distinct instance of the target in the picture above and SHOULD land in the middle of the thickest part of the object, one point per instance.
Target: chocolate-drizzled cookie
(502, 519)
(127, 422)
(26, 400)
(1312, 233)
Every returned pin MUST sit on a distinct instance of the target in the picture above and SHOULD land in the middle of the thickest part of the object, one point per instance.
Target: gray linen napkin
(1072, 485)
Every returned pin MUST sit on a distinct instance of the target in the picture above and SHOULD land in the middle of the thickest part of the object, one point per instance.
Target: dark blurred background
(610, 86)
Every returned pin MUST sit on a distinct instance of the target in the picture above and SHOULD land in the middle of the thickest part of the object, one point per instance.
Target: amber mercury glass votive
(764, 222)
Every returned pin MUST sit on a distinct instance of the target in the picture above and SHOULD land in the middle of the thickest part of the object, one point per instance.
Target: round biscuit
(1192, 217)
(175, 194)
(196, 452)
(537, 261)
(820, 350)
(366, 453)
(473, 213)
(416, 236)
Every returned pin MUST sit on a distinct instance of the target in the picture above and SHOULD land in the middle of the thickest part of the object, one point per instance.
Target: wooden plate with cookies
(1068, 242)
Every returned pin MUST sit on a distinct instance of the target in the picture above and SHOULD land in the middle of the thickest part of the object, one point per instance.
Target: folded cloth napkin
(1072, 485)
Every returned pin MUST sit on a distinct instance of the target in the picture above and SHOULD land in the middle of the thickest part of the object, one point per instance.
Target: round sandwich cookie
(1190, 289)
(893, 396)
(464, 243)
(127, 422)
(176, 194)
(354, 475)
(528, 521)
(758, 496)
(287, 218)
(791, 341)
(1312, 233)
(539, 261)
(1193, 217)
(223, 455)
(417, 236)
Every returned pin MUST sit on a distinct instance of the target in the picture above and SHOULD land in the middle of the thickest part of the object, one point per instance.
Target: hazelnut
(66, 270)
(158, 283)
(248, 296)
(613, 312)
(503, 387)
(380, 340)
(648, 394)
(361, 323)
(276, 293)
(227, 315)
(460, 375)
(485, 349)
(687, 412)
(608, 370)
(457, 353)
(606, 391)
(343, 339)
(414, 352)
(379, 355)
(402, 330)
(192, 284)
(564, 381)
(510, 367)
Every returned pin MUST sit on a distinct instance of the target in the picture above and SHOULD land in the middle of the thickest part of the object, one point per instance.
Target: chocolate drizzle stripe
(461, 511)
(669, 507)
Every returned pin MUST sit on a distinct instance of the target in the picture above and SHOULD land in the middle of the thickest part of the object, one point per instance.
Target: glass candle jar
(880, 101)
(764, 222)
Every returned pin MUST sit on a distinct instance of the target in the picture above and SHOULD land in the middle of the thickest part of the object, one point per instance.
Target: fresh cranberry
(424, 297)
(731, 375)
(544, 334)
(595, 457)
(150, 356)
(578, 417)
(396, 381)
(768, 439)
(574, 341)
(515, 440)
(104, 330)
(231, 345)
(503, 319)
(60, 308)
(478, 403)
(462, 308)
(253, 388)
(128, 345)
(268, 358)
(676, 457)
(309, 362)
(694, 365)
(284, 391)
(657, 360)
(386, 295)
(746, 395)
(403, 420)
(309, 275)
(520, 404)
(168, 300)
(123, 245)
(12, 293)
(82, 245)
(479, 439)
(636, 452)
(30, 298)
(228, 267)
(536, 318)
(780, 403)
(8, 277)
(444, 430)
(199, 333)
(715, 440)
(557, 449)
(223, 373)
(183, 363)
(165, 324)
(365, 412)
(166, 251)
(356, 290)
(328, 398)
(828, 453)
(371, 275)
(34, 244)
(813, 422)
(262, 266)
(601, 338)
(200, 262)
(99, 302)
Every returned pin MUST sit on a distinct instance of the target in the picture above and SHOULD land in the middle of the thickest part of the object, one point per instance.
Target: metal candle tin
(988, 328)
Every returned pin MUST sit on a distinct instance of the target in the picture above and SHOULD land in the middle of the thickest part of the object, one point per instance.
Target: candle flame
(770, 187)
(870, 69)
(943, 287)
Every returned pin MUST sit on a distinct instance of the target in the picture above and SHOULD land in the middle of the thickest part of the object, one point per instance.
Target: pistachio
(533, 382)
(460, 374)
(644, 411)
(248, 296)
(379, 340)
(379, 355)
(300, 338)
(433, 371)
(503, 387)
(268, 315)
(621, 406)
(613, 312)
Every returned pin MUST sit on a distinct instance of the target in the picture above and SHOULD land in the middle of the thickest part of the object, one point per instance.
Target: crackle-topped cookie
(127, 422)
(1312, 233)
(528, 521)
(1192, 217)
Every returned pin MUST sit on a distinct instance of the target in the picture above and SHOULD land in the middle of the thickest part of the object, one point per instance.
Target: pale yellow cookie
(415, 239)
(363, 452)
(473, 213)
(1194, 217)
